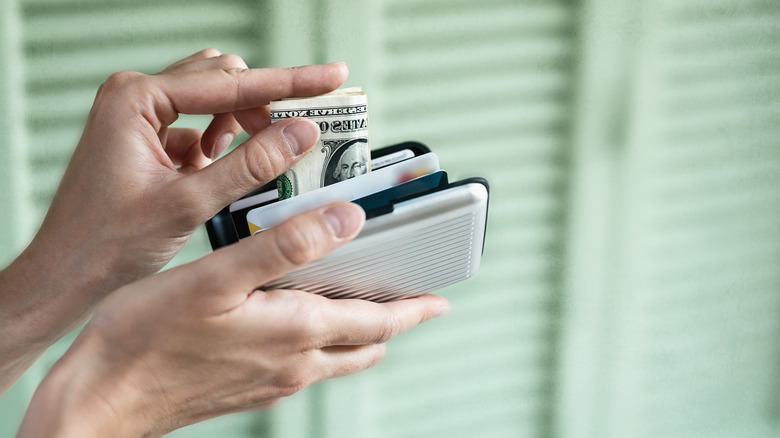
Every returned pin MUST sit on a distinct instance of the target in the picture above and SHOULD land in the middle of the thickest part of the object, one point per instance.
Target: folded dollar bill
(343, 151)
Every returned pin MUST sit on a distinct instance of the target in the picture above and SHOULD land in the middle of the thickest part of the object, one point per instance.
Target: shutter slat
(699, 276)
(487, 86)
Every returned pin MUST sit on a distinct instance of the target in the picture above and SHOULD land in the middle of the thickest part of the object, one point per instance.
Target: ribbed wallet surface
(425, 244)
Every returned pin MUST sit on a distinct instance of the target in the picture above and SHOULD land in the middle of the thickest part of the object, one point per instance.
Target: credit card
(239, 209)
(264, 217)
(395, 157)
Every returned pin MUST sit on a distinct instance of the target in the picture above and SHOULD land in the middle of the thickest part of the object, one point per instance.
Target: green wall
(630, 285)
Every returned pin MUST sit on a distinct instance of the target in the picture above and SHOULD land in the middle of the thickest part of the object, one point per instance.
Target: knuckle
(307, 329)
(119, 92)
(266, 404)
(260, 166)
(238, 73)
(209, 53)
(302, 316)
(286, 390)
(389, 328)
(296, 241)
(313, 334)
(236, 76)
(290, 385)
(361, 359)
(121, 81)
(292, 379)
(232, 61)
(377, 354)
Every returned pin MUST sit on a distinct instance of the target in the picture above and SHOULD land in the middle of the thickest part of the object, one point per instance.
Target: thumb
(260, 159)
(254, 261)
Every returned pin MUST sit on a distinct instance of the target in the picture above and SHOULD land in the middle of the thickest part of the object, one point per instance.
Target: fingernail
(221, 145)
(301, 135)
(344, 220)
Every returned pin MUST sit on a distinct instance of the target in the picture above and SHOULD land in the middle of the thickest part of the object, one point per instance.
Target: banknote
(343, 151)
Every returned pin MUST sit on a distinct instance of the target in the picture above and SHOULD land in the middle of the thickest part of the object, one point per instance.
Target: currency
(343, 150)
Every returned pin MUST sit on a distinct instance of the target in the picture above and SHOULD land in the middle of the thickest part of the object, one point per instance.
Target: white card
(267, 216)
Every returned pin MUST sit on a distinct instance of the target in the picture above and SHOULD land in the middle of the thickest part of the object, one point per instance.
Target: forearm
(44, 294)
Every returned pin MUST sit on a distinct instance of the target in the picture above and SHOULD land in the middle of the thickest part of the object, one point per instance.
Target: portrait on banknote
(347, 160)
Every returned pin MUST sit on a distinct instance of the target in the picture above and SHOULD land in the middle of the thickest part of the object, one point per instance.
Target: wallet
(422, 232)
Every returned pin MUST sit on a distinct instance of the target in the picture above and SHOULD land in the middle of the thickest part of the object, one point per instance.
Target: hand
(200, 340)
(136, 189)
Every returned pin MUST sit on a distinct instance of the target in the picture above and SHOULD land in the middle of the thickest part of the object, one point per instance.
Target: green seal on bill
(284, 187)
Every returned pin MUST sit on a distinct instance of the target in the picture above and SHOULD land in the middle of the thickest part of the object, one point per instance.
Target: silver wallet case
(420, 235)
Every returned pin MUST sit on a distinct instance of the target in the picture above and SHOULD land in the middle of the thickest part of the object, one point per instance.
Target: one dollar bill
(343, 150)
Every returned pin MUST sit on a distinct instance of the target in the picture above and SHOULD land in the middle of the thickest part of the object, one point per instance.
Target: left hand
(200, 340)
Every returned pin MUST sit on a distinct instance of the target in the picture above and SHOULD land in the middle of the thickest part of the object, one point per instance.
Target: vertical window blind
(696, 342)
(685, 329)
(630, 284)
(487, 86)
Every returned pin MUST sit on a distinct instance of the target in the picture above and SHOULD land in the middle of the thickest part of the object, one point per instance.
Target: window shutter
(486, 86)
(688, 328)
(13, 177)
(670, 313)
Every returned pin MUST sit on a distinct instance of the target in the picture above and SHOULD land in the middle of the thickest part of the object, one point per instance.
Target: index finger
(360, 322)
(226, 90)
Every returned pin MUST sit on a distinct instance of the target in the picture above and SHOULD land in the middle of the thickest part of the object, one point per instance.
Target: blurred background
(630, 285)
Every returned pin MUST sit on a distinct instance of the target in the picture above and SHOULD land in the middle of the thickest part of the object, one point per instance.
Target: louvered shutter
(669, 303)
(13, 178)
(59, 52)
(686, 325)
(487, 86)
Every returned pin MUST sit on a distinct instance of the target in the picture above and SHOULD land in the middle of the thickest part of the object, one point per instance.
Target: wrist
(46, 293)
(61, 409)
(80, 397)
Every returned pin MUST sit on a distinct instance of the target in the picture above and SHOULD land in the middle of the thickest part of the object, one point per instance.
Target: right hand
(201, 340)
(136, 189)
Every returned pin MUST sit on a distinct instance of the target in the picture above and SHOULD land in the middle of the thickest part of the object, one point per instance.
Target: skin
(200, 340)
(133, 193)
(136, 189)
